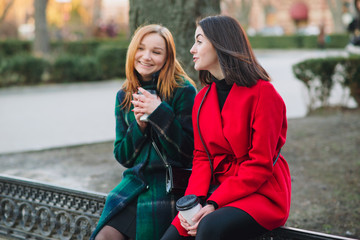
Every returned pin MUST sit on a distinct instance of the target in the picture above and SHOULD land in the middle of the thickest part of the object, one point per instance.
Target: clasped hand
(191, 230)
(145, 103)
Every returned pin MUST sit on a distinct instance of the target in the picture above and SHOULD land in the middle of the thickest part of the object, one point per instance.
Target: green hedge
(72, 68)
(337, 41)
(85, 47)
(112, 61)
(89, 69)
(22, 69)
(351, 75)
(63, 69)
(71, 62)
(319, 76)
(297, 41)
(75, 48)
(13, 47)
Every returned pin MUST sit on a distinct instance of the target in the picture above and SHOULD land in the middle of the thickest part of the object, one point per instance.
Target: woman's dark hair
(357, 8)
(234, 51)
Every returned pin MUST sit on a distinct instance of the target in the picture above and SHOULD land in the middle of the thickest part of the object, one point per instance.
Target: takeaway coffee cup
(188, 206)
(144, 117)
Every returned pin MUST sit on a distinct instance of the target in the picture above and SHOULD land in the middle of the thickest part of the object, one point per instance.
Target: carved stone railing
(34, 210)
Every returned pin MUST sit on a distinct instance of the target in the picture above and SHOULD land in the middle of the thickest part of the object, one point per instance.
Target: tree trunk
(179, 16)
(244, 14)
(336, 7)
(96, 12)
(41, 42)
(240, 10)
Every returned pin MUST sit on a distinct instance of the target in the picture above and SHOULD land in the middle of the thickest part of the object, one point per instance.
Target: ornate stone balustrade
(33, 210)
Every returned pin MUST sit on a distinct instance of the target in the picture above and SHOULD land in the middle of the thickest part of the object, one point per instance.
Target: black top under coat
(223, 90)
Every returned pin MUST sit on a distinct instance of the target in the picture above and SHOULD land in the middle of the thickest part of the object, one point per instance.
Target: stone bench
(34, 210)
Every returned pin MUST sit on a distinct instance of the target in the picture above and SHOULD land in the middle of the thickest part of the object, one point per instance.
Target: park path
(33, 118)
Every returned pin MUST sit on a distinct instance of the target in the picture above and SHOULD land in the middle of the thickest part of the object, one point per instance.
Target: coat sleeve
(172, 123)
(129, 139)
(268, 133)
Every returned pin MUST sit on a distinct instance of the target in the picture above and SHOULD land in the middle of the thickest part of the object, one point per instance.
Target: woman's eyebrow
(198, 35)
(159, 48)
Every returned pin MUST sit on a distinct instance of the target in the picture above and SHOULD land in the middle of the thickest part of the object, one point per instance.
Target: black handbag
(176, 178)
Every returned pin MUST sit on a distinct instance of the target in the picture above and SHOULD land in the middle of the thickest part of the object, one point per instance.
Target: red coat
(243, 141)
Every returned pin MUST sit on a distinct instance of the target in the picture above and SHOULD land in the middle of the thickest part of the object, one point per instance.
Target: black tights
(225, 223)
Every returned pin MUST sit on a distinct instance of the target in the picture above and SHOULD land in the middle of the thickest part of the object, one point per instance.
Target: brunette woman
(139, 208)
(239, 122)
(354, 28)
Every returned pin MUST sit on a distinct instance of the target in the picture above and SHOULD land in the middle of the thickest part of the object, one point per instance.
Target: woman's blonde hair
(170, 74)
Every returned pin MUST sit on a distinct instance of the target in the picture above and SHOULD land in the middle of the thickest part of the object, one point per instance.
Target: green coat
(144, 179)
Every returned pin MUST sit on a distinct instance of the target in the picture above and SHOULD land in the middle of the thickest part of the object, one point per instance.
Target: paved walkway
(33, 118)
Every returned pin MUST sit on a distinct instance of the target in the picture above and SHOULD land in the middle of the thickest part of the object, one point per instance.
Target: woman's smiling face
(150, 56)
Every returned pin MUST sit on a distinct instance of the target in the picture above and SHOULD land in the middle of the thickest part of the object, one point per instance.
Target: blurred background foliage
(320, 75)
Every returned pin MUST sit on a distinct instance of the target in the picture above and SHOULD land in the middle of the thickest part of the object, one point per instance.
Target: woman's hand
(142, 124)
(192, 230)
(145, 103)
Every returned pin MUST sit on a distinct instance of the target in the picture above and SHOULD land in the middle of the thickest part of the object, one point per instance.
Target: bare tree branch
(8, 5)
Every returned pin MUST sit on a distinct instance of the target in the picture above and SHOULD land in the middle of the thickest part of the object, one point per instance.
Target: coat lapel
(212, 127)
(237, 117)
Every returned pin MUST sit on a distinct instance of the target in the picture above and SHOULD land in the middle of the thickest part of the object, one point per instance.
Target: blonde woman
(139, 208)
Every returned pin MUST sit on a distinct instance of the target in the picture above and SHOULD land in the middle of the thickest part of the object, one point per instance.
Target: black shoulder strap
(277, 157)
(198, 127)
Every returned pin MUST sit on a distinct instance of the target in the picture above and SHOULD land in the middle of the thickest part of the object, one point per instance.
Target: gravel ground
(322, 151)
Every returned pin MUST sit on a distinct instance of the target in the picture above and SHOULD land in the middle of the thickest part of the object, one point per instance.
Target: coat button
(147, 187)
